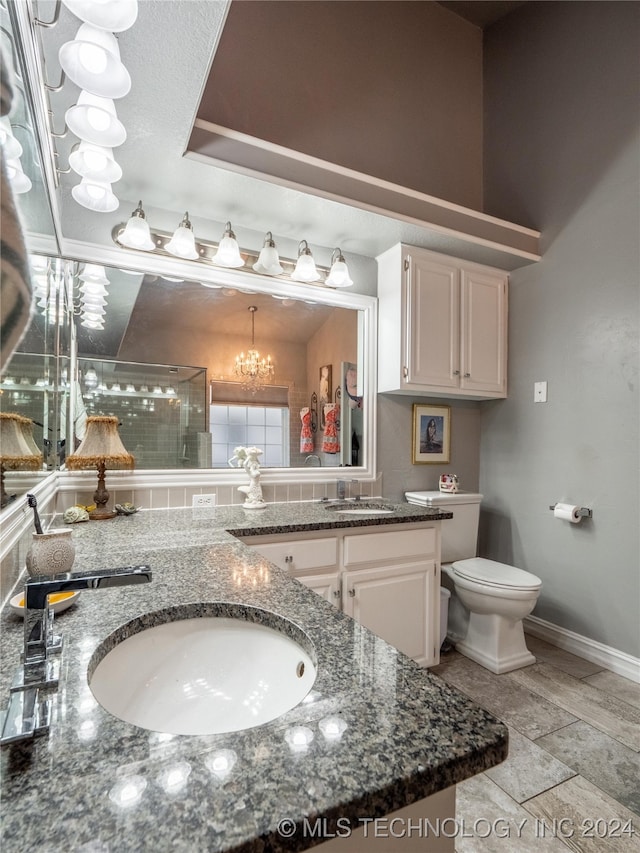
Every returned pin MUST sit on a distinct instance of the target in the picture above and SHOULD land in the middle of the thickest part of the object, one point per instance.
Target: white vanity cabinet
(443, 325)
(386, 577)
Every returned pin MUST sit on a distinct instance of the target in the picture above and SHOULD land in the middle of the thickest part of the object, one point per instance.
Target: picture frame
(431, 443)
(325, 390)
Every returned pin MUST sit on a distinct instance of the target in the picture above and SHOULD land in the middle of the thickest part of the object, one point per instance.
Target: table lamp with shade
(16, 452)
(101, 448)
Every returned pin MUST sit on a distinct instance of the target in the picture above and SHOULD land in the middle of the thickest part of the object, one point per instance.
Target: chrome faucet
(341, 489)
(27, 714)
(38, 617)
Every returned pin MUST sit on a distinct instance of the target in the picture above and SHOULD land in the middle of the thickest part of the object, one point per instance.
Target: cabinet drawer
(392, 545)
(300, 555)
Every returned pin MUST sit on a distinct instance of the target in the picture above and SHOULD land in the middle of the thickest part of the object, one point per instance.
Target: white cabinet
(386, 579)
(442, 325)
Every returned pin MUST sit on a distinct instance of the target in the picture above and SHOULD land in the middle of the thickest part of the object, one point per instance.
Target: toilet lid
(491, 573)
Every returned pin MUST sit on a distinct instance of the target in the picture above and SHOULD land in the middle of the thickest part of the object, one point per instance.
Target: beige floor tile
(529, 770)
(601, 710)
(619, 686)
(567, 662)
(602, 760)
(586, 819)
(489, 821)
(517, 706)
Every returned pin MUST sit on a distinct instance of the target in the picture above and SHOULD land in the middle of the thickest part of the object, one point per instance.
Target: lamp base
(101, 513)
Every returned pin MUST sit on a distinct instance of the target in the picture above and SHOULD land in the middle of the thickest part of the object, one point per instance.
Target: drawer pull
(352, 593)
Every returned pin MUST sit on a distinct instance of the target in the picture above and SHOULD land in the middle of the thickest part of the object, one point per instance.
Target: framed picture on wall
(431, 434)
(324, 395)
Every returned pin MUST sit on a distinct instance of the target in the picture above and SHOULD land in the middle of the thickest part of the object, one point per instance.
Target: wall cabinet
(442, 326)
(388, 580)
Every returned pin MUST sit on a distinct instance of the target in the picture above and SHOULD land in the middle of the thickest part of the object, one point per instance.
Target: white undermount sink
(361, 508)
(204, 675)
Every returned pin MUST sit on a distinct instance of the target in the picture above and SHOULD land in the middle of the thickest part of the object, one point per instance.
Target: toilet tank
(460, 533)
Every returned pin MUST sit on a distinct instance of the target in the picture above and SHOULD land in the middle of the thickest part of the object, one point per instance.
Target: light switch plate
(539, 392)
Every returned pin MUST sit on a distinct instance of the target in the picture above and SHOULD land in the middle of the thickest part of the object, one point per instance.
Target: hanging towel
(306, 434)
(330, 441)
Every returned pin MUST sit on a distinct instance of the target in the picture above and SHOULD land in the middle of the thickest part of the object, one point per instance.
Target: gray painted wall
(562, 154)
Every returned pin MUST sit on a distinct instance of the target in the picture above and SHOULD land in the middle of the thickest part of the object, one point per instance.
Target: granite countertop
(97, 783)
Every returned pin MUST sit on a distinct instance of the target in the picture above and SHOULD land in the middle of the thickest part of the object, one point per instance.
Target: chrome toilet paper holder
(584, 511)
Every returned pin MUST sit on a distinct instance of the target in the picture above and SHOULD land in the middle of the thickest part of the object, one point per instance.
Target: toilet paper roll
(567, 512)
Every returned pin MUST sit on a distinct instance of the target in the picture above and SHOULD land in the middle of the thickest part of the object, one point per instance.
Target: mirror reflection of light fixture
(136, 234)
(305, 266)
(268, 262)
(101, 448)
(92, 62)
(95, 162)
(20, 183)
(95, 195)
(183, 243)
(94, 274)
(251, 369)
(339, 274)
(94, 119)
(115, 15)
(10, 145)
(228, 254)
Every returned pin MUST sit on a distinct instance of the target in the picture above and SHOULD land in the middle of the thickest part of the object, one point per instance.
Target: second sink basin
(361, 508)
(205, 675)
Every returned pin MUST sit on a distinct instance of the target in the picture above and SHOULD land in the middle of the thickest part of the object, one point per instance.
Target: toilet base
(495, 642)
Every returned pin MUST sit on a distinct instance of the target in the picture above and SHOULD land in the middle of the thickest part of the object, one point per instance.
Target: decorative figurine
(247, 458)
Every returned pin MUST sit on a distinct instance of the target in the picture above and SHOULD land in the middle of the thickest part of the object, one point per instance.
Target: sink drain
(300, 669)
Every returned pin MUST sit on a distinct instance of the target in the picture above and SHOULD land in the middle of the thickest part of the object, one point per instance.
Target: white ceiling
(168, 53)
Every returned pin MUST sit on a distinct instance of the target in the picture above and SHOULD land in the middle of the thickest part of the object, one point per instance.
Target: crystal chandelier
(253, 370)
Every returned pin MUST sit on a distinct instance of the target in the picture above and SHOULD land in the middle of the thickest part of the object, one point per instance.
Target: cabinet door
(484, 332)
(432, 343)
(397, 603)
(328, 586)
(299, 555)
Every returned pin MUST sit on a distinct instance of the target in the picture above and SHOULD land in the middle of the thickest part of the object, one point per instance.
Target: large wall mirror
(161, 353)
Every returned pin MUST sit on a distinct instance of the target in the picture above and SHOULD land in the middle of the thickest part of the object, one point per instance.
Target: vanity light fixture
(95, 195)
(339, 274)
(183, 243)
(92, 62)
(115, 15)
(10, 145)
(20, 183)
(136, 234)
(305, 266)
(94, 119)
(228, 254)
(268, 262)
(95, 162)
(252, 370)
(94, 274)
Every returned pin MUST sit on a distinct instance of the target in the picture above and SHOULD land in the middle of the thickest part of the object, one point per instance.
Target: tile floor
(572, 778)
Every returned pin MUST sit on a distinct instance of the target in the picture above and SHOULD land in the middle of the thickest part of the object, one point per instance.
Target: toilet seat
(496, 575)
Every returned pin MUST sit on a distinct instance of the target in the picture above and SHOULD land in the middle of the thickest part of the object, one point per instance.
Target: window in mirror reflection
(266, 427)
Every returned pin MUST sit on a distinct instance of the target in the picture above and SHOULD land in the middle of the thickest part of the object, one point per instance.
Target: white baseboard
(609, 658)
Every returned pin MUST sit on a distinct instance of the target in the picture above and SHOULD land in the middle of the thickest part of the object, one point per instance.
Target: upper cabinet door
(433, 309)
(484, 332)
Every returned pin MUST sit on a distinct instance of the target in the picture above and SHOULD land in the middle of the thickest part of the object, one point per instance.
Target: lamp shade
(10, 145)
(92, 62)
(20, 183)
(101, 444)
(16, 452)
(305, 266)
(114, 15)
(268, 262)
(95, 162)
(136, 234)
(95, 120)
(95, 195)
(228, 254)
(339, 273)
(94, 274)
(183, 243)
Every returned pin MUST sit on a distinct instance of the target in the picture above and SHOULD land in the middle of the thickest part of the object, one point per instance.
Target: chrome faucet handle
(25, 717)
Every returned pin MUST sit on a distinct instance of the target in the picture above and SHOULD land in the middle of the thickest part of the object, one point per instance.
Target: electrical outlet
(539, 392)
(200, 501)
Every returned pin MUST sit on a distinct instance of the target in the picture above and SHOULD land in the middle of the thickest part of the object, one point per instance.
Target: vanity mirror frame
(248, 281)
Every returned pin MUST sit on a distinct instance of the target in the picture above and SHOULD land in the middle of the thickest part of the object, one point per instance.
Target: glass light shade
(268, 262)
(93, 312)
(94, 273)
(305, 269)
(95, 195)
(92, 62)
(94, 119)
(91, 377)
(136, 234)
(228, 254)
(89, 288)
(93, 324)
(10, 145)
(113, 15)
(339, 273)
(95, 163)
(90, 300)
(183, 243)
(20, 183)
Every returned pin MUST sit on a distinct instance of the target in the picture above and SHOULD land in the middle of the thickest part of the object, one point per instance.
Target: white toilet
(497, 596)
